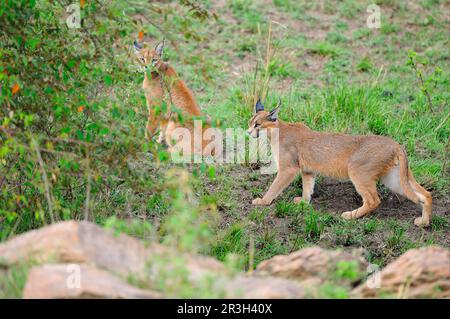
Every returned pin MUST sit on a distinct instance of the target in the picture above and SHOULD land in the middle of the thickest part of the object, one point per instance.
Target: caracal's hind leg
(367, 189)
(425, 200)
(411, 190)
(308, 180)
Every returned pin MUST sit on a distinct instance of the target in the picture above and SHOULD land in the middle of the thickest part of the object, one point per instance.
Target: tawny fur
(164, 85)
(362, 159)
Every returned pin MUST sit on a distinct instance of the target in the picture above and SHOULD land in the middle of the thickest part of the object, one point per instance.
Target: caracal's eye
(257, 124)
(154, 61)
(142, 59)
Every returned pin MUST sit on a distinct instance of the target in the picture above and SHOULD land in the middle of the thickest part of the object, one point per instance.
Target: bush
(72, 114)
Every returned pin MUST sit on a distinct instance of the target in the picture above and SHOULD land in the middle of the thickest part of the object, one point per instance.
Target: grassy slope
(333, 73)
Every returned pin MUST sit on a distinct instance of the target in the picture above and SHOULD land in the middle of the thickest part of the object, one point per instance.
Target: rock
(61, 281)
(418, 273)
(87, 243)
(256, 287)
(308, 263)
(78, 242)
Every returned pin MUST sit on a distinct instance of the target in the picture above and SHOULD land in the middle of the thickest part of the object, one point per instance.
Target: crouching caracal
(362, 159)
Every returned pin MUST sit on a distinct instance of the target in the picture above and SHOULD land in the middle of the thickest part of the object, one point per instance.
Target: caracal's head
(263, 120)
(149, 56)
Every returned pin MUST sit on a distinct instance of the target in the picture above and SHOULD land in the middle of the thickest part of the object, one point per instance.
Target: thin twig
(424, 88)
(45, 179)
(267, 75)
(255, 98)
(88, 187)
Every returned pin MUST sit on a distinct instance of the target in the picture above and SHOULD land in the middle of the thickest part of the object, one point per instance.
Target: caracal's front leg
(307, 188)
(149, 129)
(161, 136)
(284, 177)
(152, 123)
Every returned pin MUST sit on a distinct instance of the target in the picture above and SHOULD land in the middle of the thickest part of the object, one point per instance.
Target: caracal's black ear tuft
(159, 48)
(273, 115)
(259, 106)
(137, 45)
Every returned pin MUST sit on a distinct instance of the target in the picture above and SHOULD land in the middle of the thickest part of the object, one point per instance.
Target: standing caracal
(362, 159)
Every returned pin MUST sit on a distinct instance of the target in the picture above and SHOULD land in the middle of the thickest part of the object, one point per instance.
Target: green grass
(233, 241)
(397, 236)
(290, 208)
(324, 49)
(439, 223)
(364, 65)
(371, 226)
(313, 225)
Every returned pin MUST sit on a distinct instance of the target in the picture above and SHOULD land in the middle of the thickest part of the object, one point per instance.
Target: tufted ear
(159, 48)
(273, 115)
(137, 45)
(259, 106)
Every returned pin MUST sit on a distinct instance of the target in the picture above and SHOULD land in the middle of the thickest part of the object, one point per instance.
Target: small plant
(313, 225)
(233, 241)
(364, 65)
(296, 225)
(387, 28)
(440, 222)
(189, 226)
(347, 270)
(283, 208)
(426, 83)
(344, 232)
(13, 281)
(328, 219)
(173, 278)
(256, 191)
(396, 237)
(324, 49)
(258, 214)
(268, 245)
(336, 37)
(281, 69)
(331, 291)
(370, 226)
(289, 208)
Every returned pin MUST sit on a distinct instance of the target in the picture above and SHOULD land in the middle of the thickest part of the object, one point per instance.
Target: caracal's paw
(420, 222)
(260, 202)
(349, 215)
